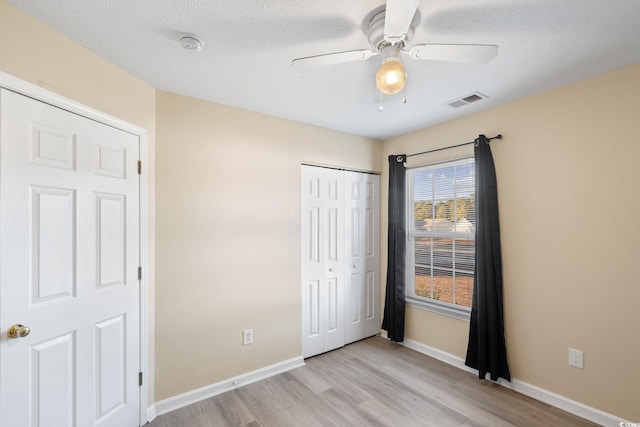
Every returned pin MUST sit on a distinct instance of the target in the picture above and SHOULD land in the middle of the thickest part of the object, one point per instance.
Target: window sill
(439, 308)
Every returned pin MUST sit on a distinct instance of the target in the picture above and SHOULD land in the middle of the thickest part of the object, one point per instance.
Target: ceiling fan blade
(397, 19)
(471, 53)
(318, 61)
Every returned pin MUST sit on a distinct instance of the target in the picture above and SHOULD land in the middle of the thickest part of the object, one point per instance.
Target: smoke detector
(191, 43)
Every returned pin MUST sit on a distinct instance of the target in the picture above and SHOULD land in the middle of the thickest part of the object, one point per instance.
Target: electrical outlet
(576, 358)
(247, 337)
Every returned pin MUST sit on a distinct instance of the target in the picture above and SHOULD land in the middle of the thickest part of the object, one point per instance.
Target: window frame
(411, 299)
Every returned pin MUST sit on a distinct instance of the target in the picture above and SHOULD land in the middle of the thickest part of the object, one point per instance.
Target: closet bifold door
(340, 258)
(362, 263)
(323, 260)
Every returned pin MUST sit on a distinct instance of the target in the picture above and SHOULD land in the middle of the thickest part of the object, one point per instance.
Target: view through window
(441, 234)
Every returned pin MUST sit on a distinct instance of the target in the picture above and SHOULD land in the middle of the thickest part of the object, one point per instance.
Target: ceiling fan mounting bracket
(374, 29)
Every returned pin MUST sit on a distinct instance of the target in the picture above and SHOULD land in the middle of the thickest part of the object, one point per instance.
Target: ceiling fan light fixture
(391, 76)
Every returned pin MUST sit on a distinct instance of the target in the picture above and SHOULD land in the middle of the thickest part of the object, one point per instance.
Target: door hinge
(139, 273)
(140, 378)
(139, 167)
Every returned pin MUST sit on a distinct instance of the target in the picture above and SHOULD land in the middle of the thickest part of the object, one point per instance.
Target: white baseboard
(190, 397)
(151, 413)
(546, 396)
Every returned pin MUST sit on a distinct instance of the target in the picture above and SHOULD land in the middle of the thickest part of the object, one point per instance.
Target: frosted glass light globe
(391, 76)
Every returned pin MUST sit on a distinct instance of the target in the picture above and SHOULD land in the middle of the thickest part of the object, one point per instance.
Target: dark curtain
(486, 350)
(393, 321)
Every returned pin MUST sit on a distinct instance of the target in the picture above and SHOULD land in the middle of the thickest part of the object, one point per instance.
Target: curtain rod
(453, 146)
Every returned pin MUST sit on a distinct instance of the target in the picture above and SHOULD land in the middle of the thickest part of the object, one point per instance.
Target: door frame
(38, 93)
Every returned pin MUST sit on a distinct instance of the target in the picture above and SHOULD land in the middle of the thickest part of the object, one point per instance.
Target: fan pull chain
(378, 98)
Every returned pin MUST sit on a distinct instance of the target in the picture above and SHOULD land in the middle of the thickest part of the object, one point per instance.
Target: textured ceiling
(249, 46)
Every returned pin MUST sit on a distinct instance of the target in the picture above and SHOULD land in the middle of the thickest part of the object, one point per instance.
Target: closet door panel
(371, 247)
(322, 260)
(362, 296)
(312, 265)
(332, 296)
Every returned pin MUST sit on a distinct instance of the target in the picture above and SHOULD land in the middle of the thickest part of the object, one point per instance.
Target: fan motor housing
(376, 32)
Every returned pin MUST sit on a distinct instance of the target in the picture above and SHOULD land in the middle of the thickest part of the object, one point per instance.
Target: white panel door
(332, 292)
(69, 245)
(322, 260)
(362, 258)
(312, 265)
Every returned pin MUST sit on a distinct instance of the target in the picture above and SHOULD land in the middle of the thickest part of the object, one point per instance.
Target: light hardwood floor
(370, 383)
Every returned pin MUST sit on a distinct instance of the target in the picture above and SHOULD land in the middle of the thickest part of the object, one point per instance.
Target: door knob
(18, 331)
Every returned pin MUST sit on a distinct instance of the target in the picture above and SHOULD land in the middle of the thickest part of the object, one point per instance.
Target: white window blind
(441, 236)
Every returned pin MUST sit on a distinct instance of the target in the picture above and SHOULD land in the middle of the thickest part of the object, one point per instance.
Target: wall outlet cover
(247, 337)
(576, 358)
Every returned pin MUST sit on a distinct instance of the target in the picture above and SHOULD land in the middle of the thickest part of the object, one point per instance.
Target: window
(441, 237)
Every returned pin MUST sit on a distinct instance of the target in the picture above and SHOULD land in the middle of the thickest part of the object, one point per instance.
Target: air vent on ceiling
(468, 99)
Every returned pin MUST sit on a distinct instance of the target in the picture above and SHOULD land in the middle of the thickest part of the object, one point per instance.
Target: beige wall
(228, 235)
(568, 178)
(38, 54)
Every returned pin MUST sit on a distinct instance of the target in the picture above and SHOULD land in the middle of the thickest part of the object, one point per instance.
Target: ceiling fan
(389, 30)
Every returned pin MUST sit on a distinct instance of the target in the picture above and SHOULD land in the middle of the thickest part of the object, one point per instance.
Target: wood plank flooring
(371, 383)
